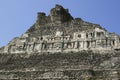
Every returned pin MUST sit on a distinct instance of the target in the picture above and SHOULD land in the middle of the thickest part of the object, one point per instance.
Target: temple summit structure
(60, 32)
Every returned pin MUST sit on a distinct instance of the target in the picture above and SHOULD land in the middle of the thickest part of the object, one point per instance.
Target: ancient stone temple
(60, 32)
(60, 47)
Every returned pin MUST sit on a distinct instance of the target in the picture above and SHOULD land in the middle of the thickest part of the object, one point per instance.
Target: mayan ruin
(60, 32)
(60, 47)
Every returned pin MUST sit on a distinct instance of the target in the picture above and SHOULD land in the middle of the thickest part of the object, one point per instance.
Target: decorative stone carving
(59, 32)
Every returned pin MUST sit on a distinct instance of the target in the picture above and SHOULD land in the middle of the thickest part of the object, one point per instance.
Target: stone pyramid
(60, 32)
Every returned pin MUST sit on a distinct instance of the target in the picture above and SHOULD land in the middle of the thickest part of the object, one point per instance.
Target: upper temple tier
(60, 32)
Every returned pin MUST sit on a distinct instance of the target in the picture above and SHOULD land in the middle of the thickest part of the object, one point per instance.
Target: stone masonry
(60, 32)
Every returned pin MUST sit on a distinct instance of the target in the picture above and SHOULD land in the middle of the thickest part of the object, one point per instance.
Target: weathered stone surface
(60, 32)
(60, 47)
(71, 66)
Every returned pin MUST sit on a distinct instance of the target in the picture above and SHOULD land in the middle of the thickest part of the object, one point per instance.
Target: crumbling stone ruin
(60, 32)
(60, 47)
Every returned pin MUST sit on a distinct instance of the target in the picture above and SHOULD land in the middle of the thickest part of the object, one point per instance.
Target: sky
(16, 16)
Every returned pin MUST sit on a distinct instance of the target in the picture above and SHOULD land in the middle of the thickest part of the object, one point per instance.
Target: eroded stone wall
(96, 39)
